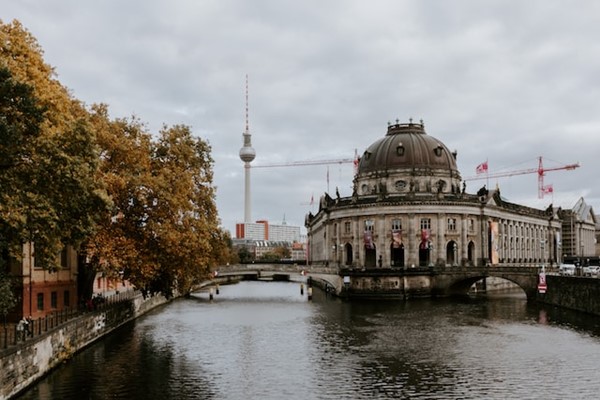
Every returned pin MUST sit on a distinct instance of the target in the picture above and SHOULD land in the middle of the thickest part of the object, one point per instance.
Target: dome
(407, 159)
(407, 146)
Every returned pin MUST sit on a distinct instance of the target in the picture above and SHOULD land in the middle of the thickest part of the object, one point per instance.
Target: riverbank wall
(573, 292)
(28, 361)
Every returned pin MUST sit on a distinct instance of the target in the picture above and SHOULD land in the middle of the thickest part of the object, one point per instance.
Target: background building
(578, 230)
(262, 230)
(42, 291)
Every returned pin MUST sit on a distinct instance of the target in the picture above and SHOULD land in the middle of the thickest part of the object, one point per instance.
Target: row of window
(64, 260)
(425, 224)
(53, 300)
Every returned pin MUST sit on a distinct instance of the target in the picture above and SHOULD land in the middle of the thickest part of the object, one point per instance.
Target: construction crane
(307, 162)
(315, 162)
(540, 170)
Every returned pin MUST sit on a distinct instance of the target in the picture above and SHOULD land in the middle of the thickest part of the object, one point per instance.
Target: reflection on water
(266, 341)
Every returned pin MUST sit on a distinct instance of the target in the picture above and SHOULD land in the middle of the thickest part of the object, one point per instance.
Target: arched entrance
(471, 253)
(424, 254)
(348, 251)
(397, 254)
(370, 257)
(452, 253)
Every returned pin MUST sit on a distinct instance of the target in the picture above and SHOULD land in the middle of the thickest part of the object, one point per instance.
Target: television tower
(247, 154)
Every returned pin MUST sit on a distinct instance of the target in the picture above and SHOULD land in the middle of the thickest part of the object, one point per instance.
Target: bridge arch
(460, 283)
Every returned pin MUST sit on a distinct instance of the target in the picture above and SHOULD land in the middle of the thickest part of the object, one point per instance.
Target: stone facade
(409, 209)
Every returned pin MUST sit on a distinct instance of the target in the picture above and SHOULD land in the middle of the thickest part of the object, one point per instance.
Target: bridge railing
(297, 268)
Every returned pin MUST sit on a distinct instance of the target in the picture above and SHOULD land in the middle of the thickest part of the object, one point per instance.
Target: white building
(262, 230)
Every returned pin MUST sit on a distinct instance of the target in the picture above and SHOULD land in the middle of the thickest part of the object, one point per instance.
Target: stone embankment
(573, 292)
(26, 362)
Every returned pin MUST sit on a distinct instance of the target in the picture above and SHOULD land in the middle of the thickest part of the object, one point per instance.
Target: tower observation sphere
(247, 152)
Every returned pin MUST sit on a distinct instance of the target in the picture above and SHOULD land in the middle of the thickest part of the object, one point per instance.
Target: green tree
(7, 298)
(282, 252)
(245, 255)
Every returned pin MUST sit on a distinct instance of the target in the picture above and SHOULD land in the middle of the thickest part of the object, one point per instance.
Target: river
(264, 340)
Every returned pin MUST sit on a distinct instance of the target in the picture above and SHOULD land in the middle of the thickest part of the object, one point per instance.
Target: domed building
(410, 208)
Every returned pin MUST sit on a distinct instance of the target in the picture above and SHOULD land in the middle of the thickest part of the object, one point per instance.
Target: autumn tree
(23, 56)
(162, 232)
(183, 222)
(143, 208)
(118, 247)
(49, 191)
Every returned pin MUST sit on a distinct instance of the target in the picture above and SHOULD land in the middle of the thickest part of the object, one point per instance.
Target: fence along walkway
(12, 335)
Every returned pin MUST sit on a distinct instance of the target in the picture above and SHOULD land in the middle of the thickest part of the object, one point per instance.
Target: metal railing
(13, 334)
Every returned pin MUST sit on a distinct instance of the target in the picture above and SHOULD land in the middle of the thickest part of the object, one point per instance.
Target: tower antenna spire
(247, 125)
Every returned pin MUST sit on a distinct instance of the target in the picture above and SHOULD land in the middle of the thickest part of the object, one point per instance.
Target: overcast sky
(503, 81)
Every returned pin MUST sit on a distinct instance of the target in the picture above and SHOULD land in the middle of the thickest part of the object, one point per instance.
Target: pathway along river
(259, 340)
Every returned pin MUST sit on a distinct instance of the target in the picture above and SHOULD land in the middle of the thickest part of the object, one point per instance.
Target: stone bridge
(384, 282)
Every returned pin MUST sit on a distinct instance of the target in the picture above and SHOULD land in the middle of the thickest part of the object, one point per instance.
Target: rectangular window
(40, 301)
(334, 230)
(369, 225)
(452, 224)
(348, 227)
(64, 258)
(471, 224)
(396, 224)
(67, 298)
(425, 223)
(53, 300)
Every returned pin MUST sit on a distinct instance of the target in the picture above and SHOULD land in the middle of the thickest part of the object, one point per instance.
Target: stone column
(382, 240)
(357, 242)
(464, 245)
(412, 249)
(441, 246)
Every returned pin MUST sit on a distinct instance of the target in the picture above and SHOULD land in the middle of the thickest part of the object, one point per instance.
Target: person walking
(22, 329)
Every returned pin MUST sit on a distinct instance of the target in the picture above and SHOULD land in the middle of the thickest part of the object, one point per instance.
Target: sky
(499, 81)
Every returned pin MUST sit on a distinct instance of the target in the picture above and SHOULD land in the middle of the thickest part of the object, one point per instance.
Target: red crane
(540, 170)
